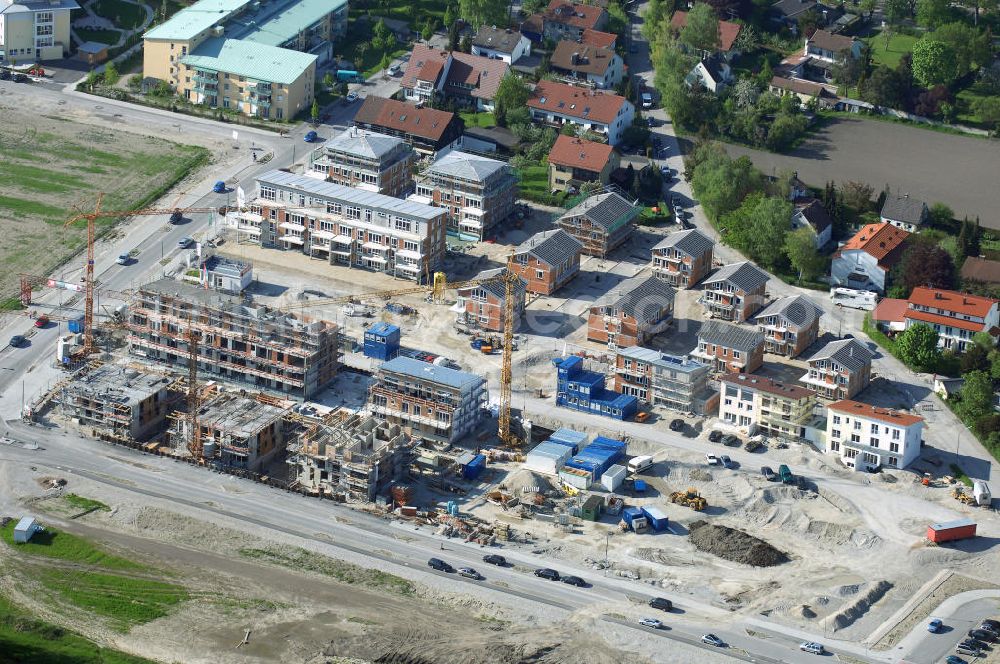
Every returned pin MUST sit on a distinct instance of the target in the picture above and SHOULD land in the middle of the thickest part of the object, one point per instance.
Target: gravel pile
(734, 545)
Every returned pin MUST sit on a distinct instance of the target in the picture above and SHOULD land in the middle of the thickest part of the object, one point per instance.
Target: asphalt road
(933, 648)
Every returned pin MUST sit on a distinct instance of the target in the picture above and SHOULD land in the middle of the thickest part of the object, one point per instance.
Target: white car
(351, 97)
(712, 460)
(812, 647)
(650, 622)
(713, 640)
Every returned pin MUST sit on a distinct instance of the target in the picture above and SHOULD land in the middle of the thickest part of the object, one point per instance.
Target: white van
(640, 463)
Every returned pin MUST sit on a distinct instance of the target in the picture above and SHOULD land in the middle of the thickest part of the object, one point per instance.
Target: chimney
(937, 295)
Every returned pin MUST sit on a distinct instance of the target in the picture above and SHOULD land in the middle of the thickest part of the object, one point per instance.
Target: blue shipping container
(657, 518)
(475, 467)
(382, 341)
(630, 513)
(76, 326)
(569, 438)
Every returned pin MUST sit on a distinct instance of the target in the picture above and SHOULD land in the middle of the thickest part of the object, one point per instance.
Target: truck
(785, 474)
(349, 76)
(639, 464)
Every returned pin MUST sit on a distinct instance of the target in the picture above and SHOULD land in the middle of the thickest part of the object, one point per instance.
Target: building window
(836, 419)
(834, 446)
(857, 425)
(835, 433)
(893, 447)
(874, 442)
(268, 193)
(875, 428)
(895, 434)
(855, 438)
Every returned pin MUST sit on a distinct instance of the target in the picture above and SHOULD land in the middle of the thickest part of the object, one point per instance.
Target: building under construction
(121, 401)
(356, 456)
(252, 345)
(240, 431)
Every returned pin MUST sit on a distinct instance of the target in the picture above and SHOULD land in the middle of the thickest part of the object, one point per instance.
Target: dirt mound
(700, 475)
(735, 545)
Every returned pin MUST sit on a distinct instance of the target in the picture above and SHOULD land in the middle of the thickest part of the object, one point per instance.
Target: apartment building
(840, 370)
(547, 260)
(433, 74)
(867, 437)
(600, 222)
(226, 275)
(682, 259)
(661, 379)
(729, 348)
(790, 325)
(427, 129)
(584, 390)
(564, 20)
(357, 457)
(478, 193)
(344, 225)
(864, 261)
(259, 58)
(483, 304)
(631, 313)
(735, 292)
(599, 67)
(956, 317)
(755, 404)
(500, 44)
(598, 111)
(35, 30)
(432, 402)
(237, 431)
(249, 345)
(367, 160)
(120, 401)
(574, 162)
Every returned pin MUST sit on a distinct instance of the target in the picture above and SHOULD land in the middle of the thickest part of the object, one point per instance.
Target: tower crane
(437, 288)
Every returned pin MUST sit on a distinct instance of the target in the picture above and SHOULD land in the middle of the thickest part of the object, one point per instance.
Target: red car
(42, 321)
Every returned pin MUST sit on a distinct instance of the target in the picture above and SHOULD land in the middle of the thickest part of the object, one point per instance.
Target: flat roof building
(367, 160)
(121, 401)
(661, 379)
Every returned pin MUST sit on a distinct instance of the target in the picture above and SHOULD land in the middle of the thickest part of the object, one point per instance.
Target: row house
(500, 44)
(756, 404)
(956, 317)
(564, 20)
(864, 261)
(729, 348)
(632, 313)
(600, 222)
(483, 304)
(790, 325)
(367, 160)
(433, 403)
(840, 370)
(867, 437)
(574, 162)
(598, 111)
(735, 292)
(682, 259)
(478, 193)
(428, 130)
(547, 260)
(344, 226)
(434, 74)
(599, 67)
(661, 379)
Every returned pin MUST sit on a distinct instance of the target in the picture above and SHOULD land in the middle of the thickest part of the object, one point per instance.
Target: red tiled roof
(890, 310)
(960, 303)
(573, 56)
(728, 31)
(425, 122)
(580, 153)
(938, 319)
(581, 103)
(598, 38)
(765, 384)
(872, 412)
(482, 73)
(569, 13)
(981, 269)
(877, 240)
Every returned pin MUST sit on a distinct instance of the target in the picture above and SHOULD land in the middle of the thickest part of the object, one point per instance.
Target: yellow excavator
(690, 498)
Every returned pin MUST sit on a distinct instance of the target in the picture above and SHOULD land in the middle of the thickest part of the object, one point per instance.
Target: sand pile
(735, 545)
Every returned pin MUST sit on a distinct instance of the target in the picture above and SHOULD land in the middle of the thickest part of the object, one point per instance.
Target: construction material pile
(734, 545)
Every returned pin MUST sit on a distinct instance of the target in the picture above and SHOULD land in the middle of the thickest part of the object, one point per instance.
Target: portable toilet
(382, 341)
(591, 510)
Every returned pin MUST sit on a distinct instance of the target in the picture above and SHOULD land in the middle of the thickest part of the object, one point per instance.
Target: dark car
(989, 627)
(310, 136)
(574, 581)
(20, 78)
(547, 573)
(494, 559)
(440, 565)
(982, 635)
(4, 74)
(16, 341)
(768, 474)
(676, 425)
(176, 217)
(714, 436)
(954, 659)
(661, 603)
(994, 624)
(730, 440)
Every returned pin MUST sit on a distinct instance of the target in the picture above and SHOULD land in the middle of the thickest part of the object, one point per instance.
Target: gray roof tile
(796, 310)
(746, 276)
(551, 247)
(432, 372)
(903, 208)
(692, 242)
(363, 143)
(497, 287)
(603, 209)
(850, 353)
(467, 166)
(718, 333)
(639, 297)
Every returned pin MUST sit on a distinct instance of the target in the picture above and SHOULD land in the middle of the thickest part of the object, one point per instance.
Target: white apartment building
(754, 404)
(865, 436)
(34, 30)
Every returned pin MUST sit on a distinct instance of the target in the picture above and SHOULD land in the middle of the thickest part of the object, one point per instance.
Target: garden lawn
(484, 120)
(123, 14)
(899, 45)
(109, 37)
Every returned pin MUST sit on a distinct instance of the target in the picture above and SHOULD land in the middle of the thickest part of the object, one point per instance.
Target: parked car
(219, 187)
(494, 559)
(963, 649)
(647, 100)
(676, 425)
(176, 216)
(714, 436)
(574, 581)
(123, 259)
(812, 647)
(351, 97)
(661, 603)
(726, 461)
(987, 627)
(753, 444)
(713, 640)
(730, 440)
(934, 625)
(650, 622)
(440, 565)
(42, 321)
(994, 624)
(982, 635)
(768, 474)
(185, 242)
(547, 573)
(20, 78)
(954, 659)
(4, 74)
(310, 136)
(469, 573)
(16, 341)
(395, 69)
(712, 460)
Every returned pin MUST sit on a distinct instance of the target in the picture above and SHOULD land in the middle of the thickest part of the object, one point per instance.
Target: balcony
(259, 87)
(205, 77)
(211, 89)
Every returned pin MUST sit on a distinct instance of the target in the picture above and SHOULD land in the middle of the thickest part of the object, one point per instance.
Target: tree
(384, 63)
(926, 264)
(617, 20)
(512, 93)
(654, 18)
(934, 63)
(895, 11)
(800, 247)
(857, 195)
(701, 31)
(932, 13)
(314, 111)
(975, 358)
(917, 347)
(466, 45)
(745, 92)
(758, 227)
(746, 40)
(784, 131)
(848, 69)
(722, 183)
(970, 45)
(867, 7)
(976, 394)
(449, 16)
(883, 88)
(110, 74)
(988, 110)
(483, 12)
(941, 215)
(427, 32)
(93, 78)
(933, 101)
(328, 81)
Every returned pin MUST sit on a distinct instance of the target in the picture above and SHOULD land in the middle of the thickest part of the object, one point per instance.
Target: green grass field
(23, 638)
(109, 37)
(404, 11)
(303, 560)
(534, 180)
(122, 14)
(63, 546)
(484, 120)
(899, 45)
(85, 503)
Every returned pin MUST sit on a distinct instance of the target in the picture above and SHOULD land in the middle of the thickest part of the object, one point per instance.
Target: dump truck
(690, 498)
